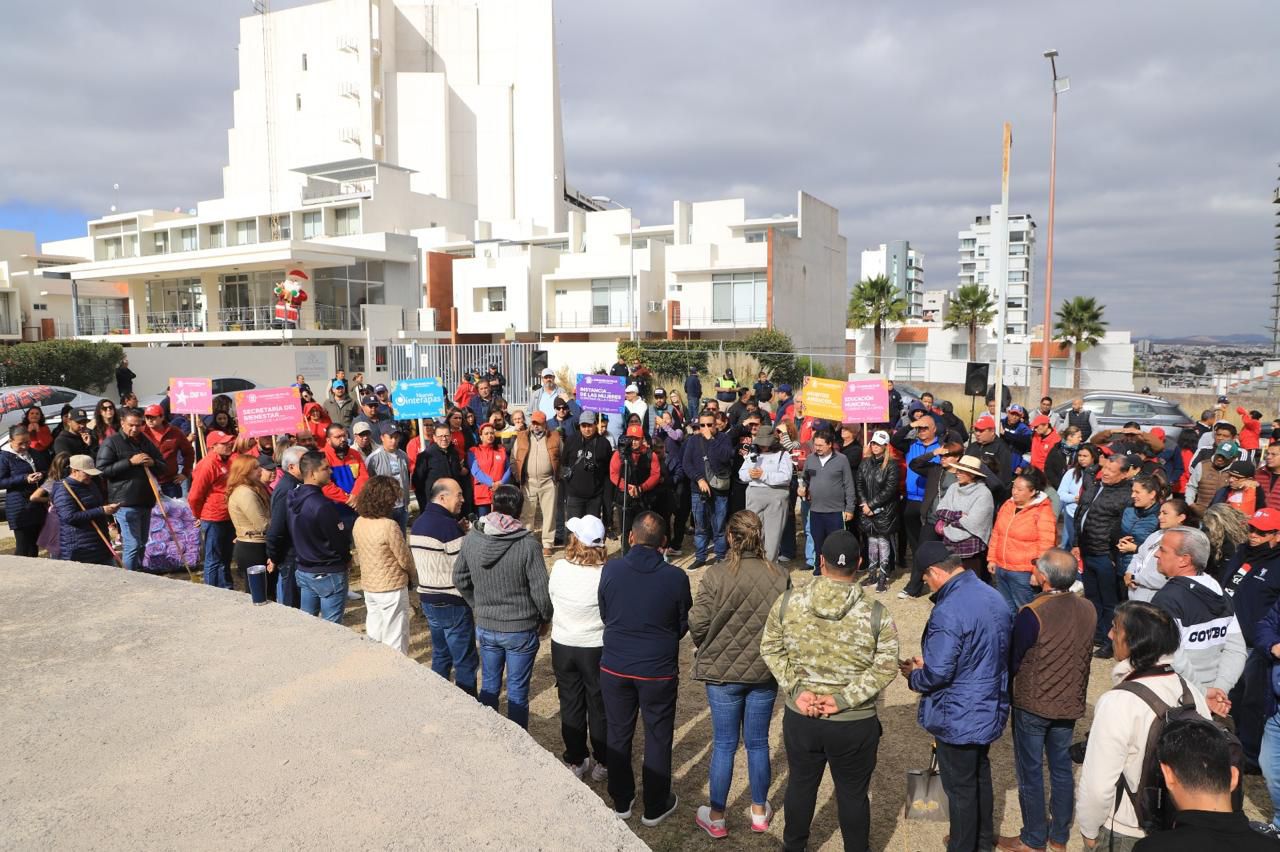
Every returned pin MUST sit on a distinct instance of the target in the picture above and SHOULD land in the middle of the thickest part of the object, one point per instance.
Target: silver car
(16, 399)
(1113, 409)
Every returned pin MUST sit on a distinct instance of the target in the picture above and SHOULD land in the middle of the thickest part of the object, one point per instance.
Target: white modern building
(975, 266)
(934, 305)
(903, 266)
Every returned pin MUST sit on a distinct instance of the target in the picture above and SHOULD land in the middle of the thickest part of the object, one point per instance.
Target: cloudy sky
(1168, 140)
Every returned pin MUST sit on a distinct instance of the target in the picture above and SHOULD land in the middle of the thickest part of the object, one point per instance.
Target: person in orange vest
(1043, 440)
(1242, 491)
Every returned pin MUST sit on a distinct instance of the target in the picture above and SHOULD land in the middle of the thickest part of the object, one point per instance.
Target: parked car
(16, 399)
(1116, 408)
(226, 384)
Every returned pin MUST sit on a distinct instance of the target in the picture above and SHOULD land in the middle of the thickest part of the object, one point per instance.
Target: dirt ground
(904, 745)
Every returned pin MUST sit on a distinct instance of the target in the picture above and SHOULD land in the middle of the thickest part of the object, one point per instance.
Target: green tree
(972, 306)
(874, 302)
(1080, 326)
(76, 364)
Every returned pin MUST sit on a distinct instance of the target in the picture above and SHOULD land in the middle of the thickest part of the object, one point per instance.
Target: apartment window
(346, 220)
(297, 102)
(968, 243)
(675, 288)
(312, 224)
(113, 248)
(246, 232)
(284, 227)
(1017, 277)
(609, 301)
(960, 352)
(39, 306)
(496, 299)
(217, 237)
(755, 236)
(160, 242)
(187, 239)
(909, 360)
(738, 297)
(562, 292)
(1017, 236)
(304, 62)
(640, 242)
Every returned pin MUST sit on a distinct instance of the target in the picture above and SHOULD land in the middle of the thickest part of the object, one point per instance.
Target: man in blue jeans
(126, 460)
(1097, 531)
(321, 542)
(708, 456)
(502, 577)
(435, 540)
(1049, 661)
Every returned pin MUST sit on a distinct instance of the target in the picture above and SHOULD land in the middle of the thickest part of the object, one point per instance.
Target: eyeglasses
(706, 425)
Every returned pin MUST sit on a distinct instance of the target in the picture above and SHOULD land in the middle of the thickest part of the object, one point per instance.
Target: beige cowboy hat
(968, 464)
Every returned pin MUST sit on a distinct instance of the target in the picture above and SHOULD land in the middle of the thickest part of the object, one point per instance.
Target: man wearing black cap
(584, 468)
(497, 381)
(832, 651)
(76, 438)
(962, 677)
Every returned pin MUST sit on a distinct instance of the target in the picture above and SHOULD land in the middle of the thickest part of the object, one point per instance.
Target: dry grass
(903, 745)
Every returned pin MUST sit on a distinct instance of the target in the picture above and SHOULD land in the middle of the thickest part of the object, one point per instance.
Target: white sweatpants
(386, 618)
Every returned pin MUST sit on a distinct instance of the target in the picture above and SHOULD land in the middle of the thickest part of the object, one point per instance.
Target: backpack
(1152, 805)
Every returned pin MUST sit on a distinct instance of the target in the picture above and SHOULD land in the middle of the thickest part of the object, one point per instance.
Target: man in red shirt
(349, 473)
(632, 485)
(179, 457)
(208, 499)
(1043, 440)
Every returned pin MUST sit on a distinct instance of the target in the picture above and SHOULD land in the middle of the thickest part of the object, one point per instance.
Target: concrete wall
(809, 279)
(267, 366)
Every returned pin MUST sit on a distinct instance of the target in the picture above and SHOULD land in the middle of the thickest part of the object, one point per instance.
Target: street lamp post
(631, 262)
(1060, 84)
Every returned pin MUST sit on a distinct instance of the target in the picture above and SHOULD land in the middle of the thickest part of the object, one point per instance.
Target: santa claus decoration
(290, 295)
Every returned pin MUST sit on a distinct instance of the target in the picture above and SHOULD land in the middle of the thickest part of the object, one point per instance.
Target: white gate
(448, 362)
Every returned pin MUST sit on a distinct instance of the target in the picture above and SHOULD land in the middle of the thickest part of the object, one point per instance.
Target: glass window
(738, 297)
(216, 236)
(960, 351)
(496, 299)
(346, 220)
(113, 248)
(160, 242)
(1130, 408)
(312, 224)
(187, 239)
(909, 359)
(609, 301)
(246, 232)
(755, 236)
(1061, 376)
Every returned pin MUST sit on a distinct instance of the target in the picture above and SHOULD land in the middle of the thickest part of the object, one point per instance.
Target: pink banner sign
(269, 411)
(865, 401)
(191, 396)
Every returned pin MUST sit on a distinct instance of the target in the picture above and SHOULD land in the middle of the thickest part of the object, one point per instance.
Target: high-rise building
(975, 251)
(902, 265)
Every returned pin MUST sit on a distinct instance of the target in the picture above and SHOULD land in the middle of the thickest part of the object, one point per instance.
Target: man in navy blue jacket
(707, 452)
(963, 678)
(321, 542)
(644, 604)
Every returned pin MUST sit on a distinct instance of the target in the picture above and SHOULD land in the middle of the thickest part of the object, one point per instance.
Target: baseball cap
(266, 462)
(930, 553)
(1228, 449)
(1223, 399)
(842, 550)
(635, 431)
(588, 417)
(659, 392)
(986, 421)
(339, 383)
(1241, 468)
(784, 388)
(361, 427)
(538, 417)
(632, 389)
(83, 463)
(153, 411)
(1266, 520)
(387, 428)
(589, 529)
(80, 415)
(881, 437)
(379, 388)
(1040, 420)
(1017, 409)
(548, 373)
(215, 438)
(1157, 432)
(369, 400)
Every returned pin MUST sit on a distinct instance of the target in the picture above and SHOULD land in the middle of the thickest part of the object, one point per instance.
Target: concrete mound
(143, 713)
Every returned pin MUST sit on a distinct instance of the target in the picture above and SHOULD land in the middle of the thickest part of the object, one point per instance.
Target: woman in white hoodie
(1142, 576)
(1145, 639)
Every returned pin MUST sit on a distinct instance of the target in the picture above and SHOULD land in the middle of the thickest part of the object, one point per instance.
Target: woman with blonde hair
(386, 563)
(1228, 530)
(726, 623)
(249, 505)
(577, 640)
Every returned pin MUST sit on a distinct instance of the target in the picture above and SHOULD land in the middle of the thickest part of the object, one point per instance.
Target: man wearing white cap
(767, 473)
(544, 398)
(635, 404)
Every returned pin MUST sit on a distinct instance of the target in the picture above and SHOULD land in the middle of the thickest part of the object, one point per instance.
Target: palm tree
(874, 302)
(972, 306)
(1080, 326)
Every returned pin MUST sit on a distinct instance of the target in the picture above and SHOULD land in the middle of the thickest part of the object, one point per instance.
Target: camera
(625, 444)
(754, 457)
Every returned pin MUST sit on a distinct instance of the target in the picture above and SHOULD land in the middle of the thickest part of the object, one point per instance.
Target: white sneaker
(580, 771)
(902, 596)
(673, 803)
(353, 595)
(760, 822)
(783, 560)
(599, 772)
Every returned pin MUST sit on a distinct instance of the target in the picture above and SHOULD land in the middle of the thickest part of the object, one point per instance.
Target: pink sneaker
(760, 822)
(714, 827)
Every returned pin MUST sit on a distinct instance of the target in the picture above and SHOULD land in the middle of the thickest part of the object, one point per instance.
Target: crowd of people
(1044, 542)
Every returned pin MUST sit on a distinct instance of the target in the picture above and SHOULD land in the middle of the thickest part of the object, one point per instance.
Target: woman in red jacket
(318, 421)
(1250, 433)
(1025, 528)
(488, 468)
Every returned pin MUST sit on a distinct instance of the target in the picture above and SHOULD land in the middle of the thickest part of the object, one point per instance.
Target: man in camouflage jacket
(832, 651)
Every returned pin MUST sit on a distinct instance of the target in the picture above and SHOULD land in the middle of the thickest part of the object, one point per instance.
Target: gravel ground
(904, 745)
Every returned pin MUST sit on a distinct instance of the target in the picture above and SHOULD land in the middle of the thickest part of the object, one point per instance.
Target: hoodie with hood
(644, 604)
(1212, 649)
(317, 427)
(818, 638)
(321, 538)
(502, 577)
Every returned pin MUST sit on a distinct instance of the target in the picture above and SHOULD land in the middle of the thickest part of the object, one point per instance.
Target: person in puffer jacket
(1139, 520)
(1101, 507)
(963, 678)
(501, 575)
(83, 514)
(1024, 529)
(877, 513)
(1211, 653)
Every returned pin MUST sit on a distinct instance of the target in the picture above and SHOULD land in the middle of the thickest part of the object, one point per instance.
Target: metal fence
(448, 362)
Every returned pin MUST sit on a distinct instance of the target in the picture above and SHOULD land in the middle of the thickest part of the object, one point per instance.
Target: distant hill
(1216, 340)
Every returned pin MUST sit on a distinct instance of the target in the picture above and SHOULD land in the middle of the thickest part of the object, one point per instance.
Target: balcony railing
(319, 190)
(752, 318)
(252, 318)
(173, 322)
(92, 324)
(591, 319)
(337, 317)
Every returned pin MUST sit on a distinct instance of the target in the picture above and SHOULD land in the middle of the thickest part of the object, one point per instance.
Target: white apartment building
(903, 266)
(935, 304)
(975, 248)
(711, 272)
